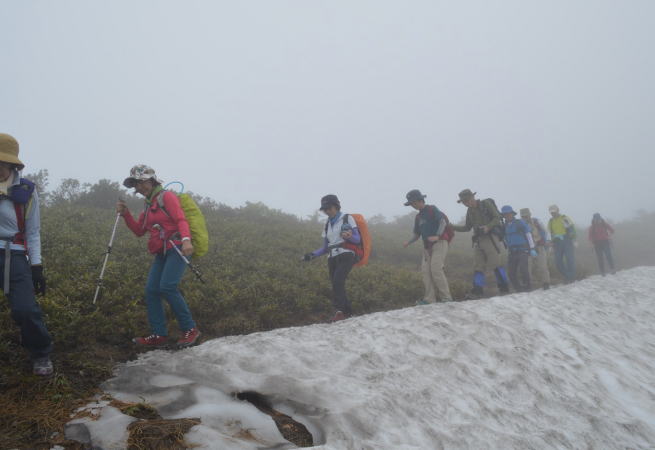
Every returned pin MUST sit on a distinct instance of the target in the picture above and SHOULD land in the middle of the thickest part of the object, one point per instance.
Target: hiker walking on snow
(340, 239)
(167, 226)
(539, 265)
(520, 246)
(563, 234)
(599, 235)
(21, 269)
(432, 226)
(483, 217)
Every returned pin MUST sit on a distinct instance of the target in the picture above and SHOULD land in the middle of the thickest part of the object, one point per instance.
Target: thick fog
(284, 101)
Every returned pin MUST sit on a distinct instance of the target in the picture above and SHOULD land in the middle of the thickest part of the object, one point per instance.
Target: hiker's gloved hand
(308, 257)
(533, 253)
(38, 279)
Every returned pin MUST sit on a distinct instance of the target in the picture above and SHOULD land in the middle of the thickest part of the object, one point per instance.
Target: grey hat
(413, 196)
(525, 212)
(553, 209)
(140, 172)
(466, 193)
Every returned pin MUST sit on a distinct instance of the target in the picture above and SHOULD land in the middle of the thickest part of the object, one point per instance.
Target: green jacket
(485, 214)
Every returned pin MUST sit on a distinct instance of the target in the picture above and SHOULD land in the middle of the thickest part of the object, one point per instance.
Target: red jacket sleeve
(136, 226)
(174, 210)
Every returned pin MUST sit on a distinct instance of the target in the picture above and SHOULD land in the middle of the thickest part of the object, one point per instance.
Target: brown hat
(466, 193)
(9, 151)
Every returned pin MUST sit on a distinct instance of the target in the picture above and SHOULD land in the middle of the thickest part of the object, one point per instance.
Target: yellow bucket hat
(9, 151)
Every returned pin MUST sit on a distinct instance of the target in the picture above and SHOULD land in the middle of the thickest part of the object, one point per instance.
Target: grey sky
(531, 103)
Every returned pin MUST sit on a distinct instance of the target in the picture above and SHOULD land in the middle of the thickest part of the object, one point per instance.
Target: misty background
(285, 101)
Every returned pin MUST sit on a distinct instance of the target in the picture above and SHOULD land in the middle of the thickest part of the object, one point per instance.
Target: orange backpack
(363, 249)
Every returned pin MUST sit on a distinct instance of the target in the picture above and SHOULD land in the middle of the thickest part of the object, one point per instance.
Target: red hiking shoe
(189, 338)
(153, 340)
(338, 316)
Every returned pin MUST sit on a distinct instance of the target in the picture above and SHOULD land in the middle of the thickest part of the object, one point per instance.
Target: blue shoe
(422, 302)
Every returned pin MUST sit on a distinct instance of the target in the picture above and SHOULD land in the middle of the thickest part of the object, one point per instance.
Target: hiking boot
(338, 316)
(189, 338)
(546, 286)
(42, 366)
(154, 341)
(503, 289)
(476, 293)
(422, 302)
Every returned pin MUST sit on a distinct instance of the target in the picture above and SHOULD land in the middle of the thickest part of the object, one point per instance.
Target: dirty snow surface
(573, 367)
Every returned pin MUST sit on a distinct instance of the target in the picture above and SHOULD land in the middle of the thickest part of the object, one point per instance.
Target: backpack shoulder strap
(160, 202)
(21, 197)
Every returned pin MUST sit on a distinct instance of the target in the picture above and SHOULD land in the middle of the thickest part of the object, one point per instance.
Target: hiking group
(177, 232)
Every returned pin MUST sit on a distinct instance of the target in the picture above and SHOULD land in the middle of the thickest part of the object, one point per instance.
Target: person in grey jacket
(21, 269)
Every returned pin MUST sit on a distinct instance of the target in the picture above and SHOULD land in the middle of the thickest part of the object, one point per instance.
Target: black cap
(414, 195)
(330, 200)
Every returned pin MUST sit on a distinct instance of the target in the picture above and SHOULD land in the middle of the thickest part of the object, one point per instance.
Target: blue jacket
(518, 235)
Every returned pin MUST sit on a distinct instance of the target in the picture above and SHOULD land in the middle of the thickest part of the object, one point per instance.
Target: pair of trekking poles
(99, 283)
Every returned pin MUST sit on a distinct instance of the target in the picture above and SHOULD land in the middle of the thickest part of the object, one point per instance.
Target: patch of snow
(109, 430)
(572, 367)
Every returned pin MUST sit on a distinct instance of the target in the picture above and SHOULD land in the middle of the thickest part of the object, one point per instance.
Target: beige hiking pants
(487, 255)
(434, 277)
(539, 267)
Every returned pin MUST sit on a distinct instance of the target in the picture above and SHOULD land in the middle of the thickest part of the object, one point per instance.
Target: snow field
(572, 367)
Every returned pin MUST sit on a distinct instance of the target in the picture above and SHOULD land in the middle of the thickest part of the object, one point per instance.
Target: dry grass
(159, 434)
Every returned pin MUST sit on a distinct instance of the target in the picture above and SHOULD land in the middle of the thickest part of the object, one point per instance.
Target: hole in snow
(292, 430)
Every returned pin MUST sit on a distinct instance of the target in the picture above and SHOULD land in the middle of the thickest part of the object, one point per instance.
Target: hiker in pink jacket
(167, 225)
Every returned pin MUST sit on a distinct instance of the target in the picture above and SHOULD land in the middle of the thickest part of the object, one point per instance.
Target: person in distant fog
(563, 234)
(600, 236)
(539, 272)
(520, 247)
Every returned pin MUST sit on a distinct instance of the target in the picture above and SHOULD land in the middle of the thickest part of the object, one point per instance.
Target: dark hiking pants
(340, 266)
(24, 309)
(603, 250)
(518, 269)
(565, 258)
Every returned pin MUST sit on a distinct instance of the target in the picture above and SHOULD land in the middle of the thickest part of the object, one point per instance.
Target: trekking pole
(193, 268)
(104, 264)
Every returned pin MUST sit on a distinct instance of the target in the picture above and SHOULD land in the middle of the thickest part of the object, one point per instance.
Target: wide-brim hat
(414, 195)
(507, 210)
(466, 193)
(140, 172)
(9, 151)
(330, 200)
